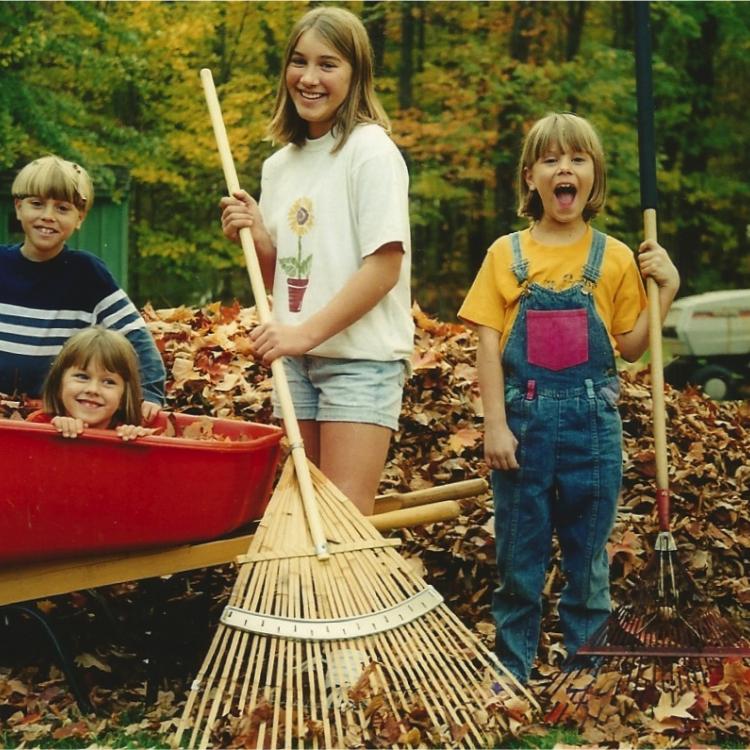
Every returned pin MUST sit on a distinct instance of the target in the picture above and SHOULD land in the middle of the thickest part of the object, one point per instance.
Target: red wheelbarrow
(62, 497)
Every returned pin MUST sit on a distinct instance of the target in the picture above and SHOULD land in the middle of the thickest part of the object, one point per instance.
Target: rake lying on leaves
(668, 638)
(330, 639)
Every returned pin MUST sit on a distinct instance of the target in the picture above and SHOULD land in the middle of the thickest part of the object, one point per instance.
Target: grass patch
(557, 736)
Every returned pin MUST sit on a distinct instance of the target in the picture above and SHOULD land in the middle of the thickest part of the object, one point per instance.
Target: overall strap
(593, 267)
(520, 265)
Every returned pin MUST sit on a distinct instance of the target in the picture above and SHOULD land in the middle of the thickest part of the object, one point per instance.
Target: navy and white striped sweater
(43, 303)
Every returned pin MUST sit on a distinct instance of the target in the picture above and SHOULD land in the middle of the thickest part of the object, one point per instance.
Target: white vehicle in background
(708, 337)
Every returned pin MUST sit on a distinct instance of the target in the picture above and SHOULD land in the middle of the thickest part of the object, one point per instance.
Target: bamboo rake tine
(209, 694)
(354, 520)
(238, 654)
(283, 604)
(255, 680)
(275, 667)
(292, 611)
(315, 664)
(264, 572)
(294, 677)
(314, 667)
(473, 642)
(192, 695)
(339, 606)
(324, 602)
(314, 608)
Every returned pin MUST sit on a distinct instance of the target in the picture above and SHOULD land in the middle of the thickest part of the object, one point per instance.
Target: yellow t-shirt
(494, 296)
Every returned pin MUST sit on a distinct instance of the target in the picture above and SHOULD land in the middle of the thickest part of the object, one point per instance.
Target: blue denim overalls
(561, 391)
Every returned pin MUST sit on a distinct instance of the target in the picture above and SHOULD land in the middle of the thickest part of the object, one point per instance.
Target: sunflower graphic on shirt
(297, 267)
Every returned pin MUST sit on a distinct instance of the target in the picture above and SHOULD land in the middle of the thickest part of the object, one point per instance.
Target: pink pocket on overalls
(557, 339)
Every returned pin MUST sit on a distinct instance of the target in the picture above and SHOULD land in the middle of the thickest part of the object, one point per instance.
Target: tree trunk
(373, 18)
(406, 67)
(576, 13)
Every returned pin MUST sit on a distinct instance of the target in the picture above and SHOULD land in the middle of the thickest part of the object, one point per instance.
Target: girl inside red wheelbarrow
(94, 383)
(553, 305)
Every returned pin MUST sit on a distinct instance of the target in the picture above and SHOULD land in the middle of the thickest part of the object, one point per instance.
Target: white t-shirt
(325, 213)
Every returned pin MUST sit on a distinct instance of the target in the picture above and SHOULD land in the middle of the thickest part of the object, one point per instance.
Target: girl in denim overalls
(553, 305)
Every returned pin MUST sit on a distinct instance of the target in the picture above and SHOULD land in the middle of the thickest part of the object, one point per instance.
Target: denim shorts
(326, 389)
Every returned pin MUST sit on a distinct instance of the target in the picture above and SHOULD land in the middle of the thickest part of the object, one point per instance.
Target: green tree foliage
(116, 83)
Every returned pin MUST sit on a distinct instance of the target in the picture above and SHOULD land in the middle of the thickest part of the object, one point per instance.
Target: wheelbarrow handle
(446, 510)
(451, 491)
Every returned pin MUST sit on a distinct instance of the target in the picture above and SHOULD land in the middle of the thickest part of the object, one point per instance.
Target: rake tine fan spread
(342, 652)
(329, 639)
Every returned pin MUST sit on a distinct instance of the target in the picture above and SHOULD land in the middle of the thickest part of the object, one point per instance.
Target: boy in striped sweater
(49, 291)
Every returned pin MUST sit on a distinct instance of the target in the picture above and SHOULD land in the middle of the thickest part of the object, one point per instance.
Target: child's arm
(499, 442)
(656, 263)
(239, 211)
(152, 371)
(376, 276)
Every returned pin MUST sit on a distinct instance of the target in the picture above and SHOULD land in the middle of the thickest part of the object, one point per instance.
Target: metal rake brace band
(404, 612)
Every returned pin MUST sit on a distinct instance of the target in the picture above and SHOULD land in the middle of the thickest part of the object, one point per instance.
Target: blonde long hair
(53, 177)
(344, 32)
(569, 133)
(112, 351)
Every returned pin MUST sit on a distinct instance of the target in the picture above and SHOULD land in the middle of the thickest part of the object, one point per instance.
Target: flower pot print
(297, 267)
(296, 289)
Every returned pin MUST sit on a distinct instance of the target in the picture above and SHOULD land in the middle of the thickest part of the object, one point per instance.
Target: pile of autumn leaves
(212, 371)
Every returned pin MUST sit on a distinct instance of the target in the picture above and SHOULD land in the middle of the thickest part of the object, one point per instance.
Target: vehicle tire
(716, 382)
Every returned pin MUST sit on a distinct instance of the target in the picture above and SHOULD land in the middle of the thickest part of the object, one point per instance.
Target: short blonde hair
(112, 351)
(344, 32)
(569, 133)
(53, 177)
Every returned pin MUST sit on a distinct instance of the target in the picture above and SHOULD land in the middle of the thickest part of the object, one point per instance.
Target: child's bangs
(93, 348)
(567, 135)
(48, 179)
(108, 357)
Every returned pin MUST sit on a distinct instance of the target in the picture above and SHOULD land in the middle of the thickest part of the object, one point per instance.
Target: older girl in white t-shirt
(332, 236)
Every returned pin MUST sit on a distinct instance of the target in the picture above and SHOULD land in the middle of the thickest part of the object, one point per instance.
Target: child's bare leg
(352, 456)
(310, 431)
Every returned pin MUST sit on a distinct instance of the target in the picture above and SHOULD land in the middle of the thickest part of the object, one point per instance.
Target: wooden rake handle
(647, 172)
(264, 314)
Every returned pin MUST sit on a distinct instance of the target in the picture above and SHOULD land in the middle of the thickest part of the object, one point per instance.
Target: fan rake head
(668, 639)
